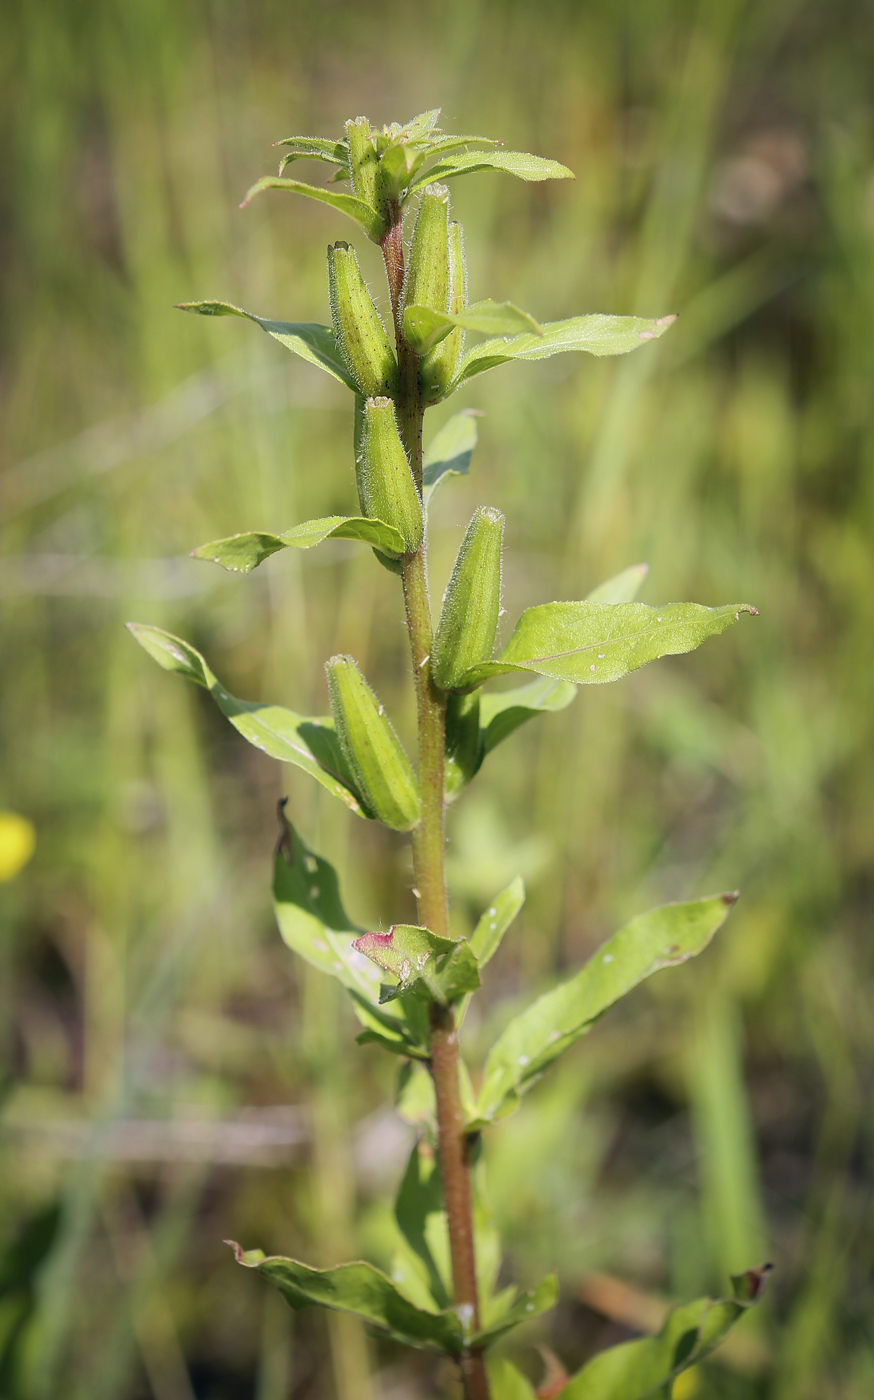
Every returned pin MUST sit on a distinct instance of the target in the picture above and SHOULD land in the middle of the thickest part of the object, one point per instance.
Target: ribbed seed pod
(437, 368)
(386, 487)
(426, 282)
(371, 747)
(358, 330)
(472, 602)
(364, 167)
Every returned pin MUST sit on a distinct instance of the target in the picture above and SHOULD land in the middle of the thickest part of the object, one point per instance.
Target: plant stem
(428, 840)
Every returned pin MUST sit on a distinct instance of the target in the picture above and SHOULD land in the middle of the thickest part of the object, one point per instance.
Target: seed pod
(427, 278)
(364, 168)
(371, 747)
(386, 487)
(437, 367)
(472, 602)
(358, 330)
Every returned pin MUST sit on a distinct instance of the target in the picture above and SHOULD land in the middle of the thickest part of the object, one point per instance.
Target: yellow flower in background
(17, 842)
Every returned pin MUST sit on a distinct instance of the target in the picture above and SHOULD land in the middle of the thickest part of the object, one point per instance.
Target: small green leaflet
(450, 451)
(308, 743)
(440, 969)
(662, 938)
(532, 1303)
(348, 204)
(424, 328)
(314, 924)
(360, 1289)
(310, 341)
(314, 148)
(517, 163)
(648, 1366)
(243, 553)
(596, 334)
(592, 643)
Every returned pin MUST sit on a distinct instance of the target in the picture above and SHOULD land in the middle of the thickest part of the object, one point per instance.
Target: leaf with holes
(662, 938)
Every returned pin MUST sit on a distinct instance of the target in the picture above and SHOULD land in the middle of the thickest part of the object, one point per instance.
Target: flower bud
(371, 747)
(386, 487)
(472, 602)
(427, 278)
(437, 367)
(364, 168)
(358, 330)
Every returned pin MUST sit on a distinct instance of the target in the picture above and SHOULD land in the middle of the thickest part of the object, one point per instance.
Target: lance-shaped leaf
(530, 1304)
(314, 924)
(596, 334)
(592, 643)
(647, 1367)
(314, 148)
(662, 938)
(486, 937)
(310, 341)
(518, 163)
(424, 327)
(450, 451)
(426, 965)
(348, 204)
(362, 1290)
(421, 1220)
(243, 553)
(308, 742)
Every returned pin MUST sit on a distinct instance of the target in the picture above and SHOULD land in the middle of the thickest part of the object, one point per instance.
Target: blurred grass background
(170, 1076)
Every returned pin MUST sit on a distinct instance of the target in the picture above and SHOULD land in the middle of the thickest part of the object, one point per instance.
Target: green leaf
(596, 334)
(424, 327)
(348, 204)
(440, 969)
(506, 1382)
(592, 643)
(243, 553)
(501, 714)
(647, 1366)
(308, 743)
(621, 588)
(486, 937)
(529, 1305)
(421, 1219)
(517, 163)
(310, 341)
(450, 451)
(544, 1030)
(314, 148)
(362, 1290)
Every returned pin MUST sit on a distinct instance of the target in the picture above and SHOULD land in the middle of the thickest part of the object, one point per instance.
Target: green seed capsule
(358, 330)
(472, 602)
(364, 168)
(437, 367)
(427, 278)
(386, 487)
(371, 747)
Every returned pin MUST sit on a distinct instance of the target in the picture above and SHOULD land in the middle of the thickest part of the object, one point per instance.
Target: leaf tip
(249, 1258)
(750, 1285)
(731, 897)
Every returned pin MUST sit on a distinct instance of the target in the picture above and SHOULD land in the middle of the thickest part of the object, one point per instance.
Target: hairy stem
(428, 841)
